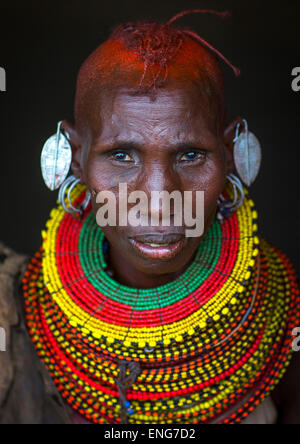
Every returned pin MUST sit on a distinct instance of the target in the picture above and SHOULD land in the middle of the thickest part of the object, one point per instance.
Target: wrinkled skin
(153, 139)
(160, 133)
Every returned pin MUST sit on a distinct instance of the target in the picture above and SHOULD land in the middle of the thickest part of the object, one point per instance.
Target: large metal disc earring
(56, 159)
(66, 188)
(247, 154)
(228, 207)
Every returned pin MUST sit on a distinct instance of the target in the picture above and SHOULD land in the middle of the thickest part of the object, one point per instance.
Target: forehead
(174, 116)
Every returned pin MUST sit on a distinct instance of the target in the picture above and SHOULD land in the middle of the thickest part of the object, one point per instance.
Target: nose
(159, 176)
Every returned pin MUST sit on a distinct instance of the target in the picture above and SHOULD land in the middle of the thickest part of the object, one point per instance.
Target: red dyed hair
(148, 55)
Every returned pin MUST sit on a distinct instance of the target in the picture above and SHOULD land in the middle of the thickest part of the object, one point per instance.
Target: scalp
(145, 57)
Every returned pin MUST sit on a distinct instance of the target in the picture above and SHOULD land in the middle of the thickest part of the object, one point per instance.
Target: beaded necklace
(207, 347)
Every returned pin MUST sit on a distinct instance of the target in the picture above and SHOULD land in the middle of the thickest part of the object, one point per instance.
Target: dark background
(43, 44)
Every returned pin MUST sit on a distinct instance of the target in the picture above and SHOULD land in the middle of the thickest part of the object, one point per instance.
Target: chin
(159, 261)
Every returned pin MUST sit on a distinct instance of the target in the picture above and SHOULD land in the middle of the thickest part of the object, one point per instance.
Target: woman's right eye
(122, 157)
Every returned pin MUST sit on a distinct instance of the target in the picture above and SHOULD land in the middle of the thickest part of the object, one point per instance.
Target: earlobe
(75, 141)
(229, 132)
(228, 140)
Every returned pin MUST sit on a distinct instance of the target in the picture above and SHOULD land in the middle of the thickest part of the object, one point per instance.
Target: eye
(121, 156)
(192, 156)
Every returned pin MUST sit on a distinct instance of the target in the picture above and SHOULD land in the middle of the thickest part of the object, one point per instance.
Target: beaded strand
(217, 337)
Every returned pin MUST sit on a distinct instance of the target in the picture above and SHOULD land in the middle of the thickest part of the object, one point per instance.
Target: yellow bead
(110, 340)
(73, 323)
(179, 339)
(96, 334)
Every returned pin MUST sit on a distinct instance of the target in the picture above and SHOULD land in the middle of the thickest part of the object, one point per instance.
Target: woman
(143, 324)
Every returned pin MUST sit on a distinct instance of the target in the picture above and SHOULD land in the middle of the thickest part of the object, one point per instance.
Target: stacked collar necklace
(208, 347)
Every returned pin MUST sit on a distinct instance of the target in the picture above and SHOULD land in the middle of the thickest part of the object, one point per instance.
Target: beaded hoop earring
(70, 183)
(227, 207)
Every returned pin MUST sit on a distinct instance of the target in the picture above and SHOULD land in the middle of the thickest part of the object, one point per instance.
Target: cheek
(211, 180)
(214, 185)
(99, 177)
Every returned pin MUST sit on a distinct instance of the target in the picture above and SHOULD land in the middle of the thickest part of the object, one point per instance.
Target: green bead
(93, 263)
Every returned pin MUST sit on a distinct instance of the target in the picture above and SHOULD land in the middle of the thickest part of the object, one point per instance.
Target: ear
(228, 137)
(75, 141)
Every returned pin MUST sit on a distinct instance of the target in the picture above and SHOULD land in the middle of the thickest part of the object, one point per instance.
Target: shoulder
(27, 394)
(11, 267)
(287, 394)
(278, 260)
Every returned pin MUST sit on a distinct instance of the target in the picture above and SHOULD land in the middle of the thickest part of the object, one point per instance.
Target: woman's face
(170, 144)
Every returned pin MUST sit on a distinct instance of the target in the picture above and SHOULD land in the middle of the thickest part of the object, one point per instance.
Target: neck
(125, 274)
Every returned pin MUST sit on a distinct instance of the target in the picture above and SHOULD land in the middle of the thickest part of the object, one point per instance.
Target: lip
(158, 238)
(164, 250)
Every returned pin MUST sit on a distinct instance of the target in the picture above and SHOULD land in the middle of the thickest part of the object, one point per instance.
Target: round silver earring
(228, 207)
(247, 154)
(67, 187)
(56, 159)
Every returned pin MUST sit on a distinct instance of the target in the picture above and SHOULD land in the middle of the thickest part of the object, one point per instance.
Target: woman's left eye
(122, 157)
(192, 156)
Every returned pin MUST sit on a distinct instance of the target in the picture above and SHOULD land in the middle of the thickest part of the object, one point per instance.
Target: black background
(43, 44)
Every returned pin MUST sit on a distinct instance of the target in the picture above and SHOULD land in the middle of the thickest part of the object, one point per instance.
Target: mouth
(162, 247)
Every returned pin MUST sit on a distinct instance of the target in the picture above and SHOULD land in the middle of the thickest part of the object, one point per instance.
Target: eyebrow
(132, 145)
